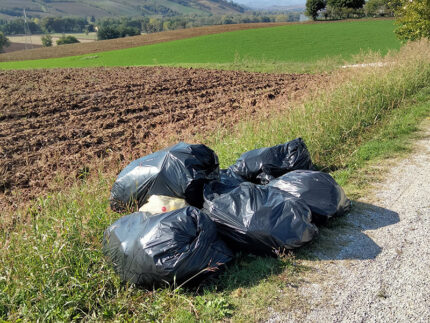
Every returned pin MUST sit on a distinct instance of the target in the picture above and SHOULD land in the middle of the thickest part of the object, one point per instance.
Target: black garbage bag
(319, 190)
(228, 177)
(259, 166)
(178, 171)
(149, 250)
(227, 182)
(258, 219)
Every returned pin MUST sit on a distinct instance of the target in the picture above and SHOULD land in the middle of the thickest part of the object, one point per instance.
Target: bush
(108, 32)
(46, 40)
(128, 31)
(414, 19)
(4, 41)
(111, 32)
(378, 8)
(67, 40)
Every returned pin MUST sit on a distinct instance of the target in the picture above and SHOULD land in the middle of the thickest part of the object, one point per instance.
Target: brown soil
(61, 121)
(18, 47)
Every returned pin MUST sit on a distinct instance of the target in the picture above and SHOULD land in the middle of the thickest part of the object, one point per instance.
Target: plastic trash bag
(160, 204)
(319, 190)
(258, 219)
(227, 176)
(178, 171)
(260, 166)
(169, 247)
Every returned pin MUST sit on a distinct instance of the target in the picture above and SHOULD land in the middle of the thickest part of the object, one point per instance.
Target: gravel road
(376, 267)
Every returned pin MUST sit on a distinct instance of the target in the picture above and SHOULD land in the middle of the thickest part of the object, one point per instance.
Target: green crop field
(286, 44)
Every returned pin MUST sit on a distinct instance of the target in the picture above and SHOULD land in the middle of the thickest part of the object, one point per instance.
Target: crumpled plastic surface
(173, 246)
(260, 166)
(258, 219)
(160, 204)
(319, 190)
(178, 171)
(228, 177)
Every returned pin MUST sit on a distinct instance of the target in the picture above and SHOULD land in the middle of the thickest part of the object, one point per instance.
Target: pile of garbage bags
(193, 217)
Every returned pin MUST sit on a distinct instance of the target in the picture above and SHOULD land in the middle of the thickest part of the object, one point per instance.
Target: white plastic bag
(160, 204)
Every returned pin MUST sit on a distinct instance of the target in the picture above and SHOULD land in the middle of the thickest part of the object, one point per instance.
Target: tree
(46, 40)
(353, 4)
(380, 7)
(63, 25)
(395, 4)
(108, 32)
(313, 6)
(413, 19)
(4, 41)
(126, 31)
(67, 40)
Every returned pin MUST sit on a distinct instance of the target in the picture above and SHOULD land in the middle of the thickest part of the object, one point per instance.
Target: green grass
(291, 44)
(51, 264)
(337, 120)
(391, 139)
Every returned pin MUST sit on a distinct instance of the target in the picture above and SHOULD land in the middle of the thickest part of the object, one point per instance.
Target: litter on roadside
(259, 166)
(168, 247)
(157, 204)
(259, 219)
(178, 171)
(318, 190)
(193, 216)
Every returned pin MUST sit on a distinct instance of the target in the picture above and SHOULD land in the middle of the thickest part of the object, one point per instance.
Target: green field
(297, 43)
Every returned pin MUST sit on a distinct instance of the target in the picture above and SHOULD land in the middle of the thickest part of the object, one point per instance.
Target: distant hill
(105, 8)
(272, 4)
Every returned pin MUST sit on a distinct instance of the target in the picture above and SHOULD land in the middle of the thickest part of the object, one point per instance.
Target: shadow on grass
(247, 271)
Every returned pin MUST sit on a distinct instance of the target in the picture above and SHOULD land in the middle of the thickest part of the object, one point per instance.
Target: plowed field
(18, 47)
(62, 121)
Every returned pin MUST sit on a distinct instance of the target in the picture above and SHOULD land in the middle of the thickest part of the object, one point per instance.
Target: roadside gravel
(375, 266)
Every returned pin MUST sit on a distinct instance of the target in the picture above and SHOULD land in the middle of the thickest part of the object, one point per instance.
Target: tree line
(47, 25)
(341, 9)
(129, 26)
(109, 28)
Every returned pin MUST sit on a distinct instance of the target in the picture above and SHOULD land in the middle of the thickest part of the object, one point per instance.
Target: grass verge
(52, 267)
